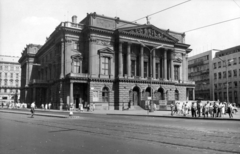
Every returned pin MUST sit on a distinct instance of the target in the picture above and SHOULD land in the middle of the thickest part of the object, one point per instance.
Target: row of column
(165, 72)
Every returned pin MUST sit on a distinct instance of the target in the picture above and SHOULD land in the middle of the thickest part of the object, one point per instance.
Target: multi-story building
(226, 75)
(10, 77)
(106, 61)
(199, 70)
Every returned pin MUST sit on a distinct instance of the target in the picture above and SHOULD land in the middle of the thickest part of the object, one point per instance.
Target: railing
(71, 25)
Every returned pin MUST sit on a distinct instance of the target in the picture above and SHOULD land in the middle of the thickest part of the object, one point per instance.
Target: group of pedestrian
(46, 106)
(198, 109)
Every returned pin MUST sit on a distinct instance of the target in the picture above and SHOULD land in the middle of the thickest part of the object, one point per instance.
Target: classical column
(120, 60)
(183, 67)
(193, 93)
(141, 61)
(165, 64)
(154, 64)
(62, 59)
(186, 67)
(90, 57)
(34, 94)
(172, 65)
(129, 59)
(71, 92)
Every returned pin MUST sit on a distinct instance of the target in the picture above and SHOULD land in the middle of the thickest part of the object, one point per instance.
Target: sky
(24, 22)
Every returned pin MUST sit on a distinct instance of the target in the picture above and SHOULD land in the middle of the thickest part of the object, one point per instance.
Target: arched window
(176, 95)
(105, 94)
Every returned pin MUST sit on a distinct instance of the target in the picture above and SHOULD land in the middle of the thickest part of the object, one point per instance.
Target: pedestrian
(220, 106)
(2, 104)
(49, 105)
(199, 109)
(230, 110)
(215, 109)
(93, 106)
(185, 109)
(46, 106)
(81, 106)
(172, 109)
(32, 109)
(194, 108)
(211, 109)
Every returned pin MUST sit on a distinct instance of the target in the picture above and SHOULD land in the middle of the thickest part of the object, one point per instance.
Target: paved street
(96, 133)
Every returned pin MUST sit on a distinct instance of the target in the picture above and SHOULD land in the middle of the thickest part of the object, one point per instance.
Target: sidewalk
(143, 113)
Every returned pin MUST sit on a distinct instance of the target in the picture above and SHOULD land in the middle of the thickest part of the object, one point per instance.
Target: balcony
(71, 25)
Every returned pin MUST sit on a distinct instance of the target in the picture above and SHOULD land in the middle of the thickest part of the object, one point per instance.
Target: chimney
(74, 19)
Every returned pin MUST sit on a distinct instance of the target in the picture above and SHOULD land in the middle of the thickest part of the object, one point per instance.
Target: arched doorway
(136, 96)
(160, 94)
(105, 95)
(148, 92)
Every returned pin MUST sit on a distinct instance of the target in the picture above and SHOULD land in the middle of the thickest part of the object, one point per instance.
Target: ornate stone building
(109, 61)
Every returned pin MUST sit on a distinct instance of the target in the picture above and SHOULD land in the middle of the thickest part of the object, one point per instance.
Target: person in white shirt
(33, 109)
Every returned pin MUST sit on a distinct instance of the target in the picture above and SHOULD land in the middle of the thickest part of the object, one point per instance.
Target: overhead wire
(211, 24)
(155, 13)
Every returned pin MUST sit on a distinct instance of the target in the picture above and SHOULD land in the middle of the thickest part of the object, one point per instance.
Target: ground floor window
(105, 94)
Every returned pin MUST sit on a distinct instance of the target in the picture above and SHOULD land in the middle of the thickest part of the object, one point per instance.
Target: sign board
(95, 96)
(149, 98)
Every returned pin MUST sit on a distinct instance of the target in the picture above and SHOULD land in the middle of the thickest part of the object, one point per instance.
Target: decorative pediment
(106, 50)
(149, 31)
(77, 56)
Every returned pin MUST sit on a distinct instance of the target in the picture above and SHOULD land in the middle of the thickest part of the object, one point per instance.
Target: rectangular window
(229, 62)
(157, 71)
(76, 67)
(6, 68)
(215, 86)
(145, 69)
(0, 67)
(234, 61)
(235, 84)
(133, 68)
(219, 75)
(0, 75)
(12, 68)
(5, 83)
(5, 75)
(215, 75)
(229, 84)
(230, 73)
(176, 72)
(11, 75)
(219, 64)
(220, 85)
(17, 75)
(235, 72)
(214, 65)
(105, 66)
(224, 63)
(17, 68)
(224, 74)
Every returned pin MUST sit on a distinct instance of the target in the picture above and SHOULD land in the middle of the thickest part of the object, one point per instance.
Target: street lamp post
(227, 62)
(151, 70)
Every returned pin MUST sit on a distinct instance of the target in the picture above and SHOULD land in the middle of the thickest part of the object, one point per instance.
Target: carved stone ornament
(177, 57)
(148, 32)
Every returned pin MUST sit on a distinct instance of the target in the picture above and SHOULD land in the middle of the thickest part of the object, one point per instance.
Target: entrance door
(135, 95)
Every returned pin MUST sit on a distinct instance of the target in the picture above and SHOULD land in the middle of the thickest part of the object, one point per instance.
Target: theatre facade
(107, 61)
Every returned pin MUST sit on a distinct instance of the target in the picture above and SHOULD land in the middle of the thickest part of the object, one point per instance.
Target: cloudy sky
(31, 21)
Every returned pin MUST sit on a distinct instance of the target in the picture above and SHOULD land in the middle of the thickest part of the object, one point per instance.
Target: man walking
(33, 109)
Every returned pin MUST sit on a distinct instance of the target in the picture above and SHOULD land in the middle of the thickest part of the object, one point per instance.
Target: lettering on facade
(105, 23)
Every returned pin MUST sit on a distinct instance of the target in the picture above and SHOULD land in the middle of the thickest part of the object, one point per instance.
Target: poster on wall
(95, 96)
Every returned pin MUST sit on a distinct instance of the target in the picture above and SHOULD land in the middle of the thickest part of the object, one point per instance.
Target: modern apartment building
(10, 77)
(226, 75)
(106, 61)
